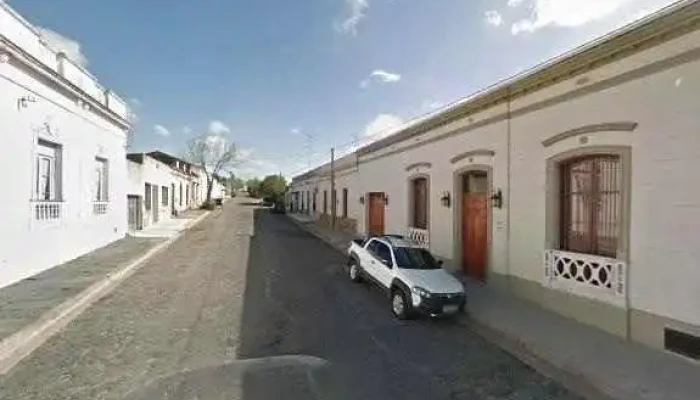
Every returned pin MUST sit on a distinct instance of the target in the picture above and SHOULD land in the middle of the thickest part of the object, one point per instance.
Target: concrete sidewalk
(589, 361)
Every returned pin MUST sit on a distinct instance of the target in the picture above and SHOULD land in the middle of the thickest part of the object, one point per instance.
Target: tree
(235, 183)
(273, 187)
(253, 186)
(213, 154)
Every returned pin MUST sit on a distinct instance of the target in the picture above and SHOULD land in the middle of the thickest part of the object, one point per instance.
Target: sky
(286, 80)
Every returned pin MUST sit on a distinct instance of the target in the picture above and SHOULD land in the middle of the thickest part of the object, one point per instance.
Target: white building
(62, 157)
(151, 189)
(186, 181)
(573, 185)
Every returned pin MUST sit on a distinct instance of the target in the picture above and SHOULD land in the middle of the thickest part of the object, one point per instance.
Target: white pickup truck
(411, 276)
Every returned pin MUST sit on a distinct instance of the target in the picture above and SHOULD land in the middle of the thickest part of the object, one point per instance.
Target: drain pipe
(508, 166)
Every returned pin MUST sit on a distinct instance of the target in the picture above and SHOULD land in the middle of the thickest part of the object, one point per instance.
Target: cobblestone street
(245, 284)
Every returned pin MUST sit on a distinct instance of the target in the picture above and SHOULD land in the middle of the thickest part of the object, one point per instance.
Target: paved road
(247, 284)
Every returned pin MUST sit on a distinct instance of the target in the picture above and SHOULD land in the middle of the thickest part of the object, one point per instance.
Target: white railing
(599, 278)
(47, 210)
(419, 236)
(99, 207)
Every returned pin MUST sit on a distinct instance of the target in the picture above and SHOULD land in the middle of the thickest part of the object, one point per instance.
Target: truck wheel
(401, 305)
(354, 272)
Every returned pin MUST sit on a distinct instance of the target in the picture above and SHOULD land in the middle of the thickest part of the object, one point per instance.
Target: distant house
(62, 157)
(188, 181)
(150, 192)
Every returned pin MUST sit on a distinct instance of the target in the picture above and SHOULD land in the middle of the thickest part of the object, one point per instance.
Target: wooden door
(475, 224)
(376, 213)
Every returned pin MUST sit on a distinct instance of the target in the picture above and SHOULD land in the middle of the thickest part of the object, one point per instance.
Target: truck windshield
(415, 258)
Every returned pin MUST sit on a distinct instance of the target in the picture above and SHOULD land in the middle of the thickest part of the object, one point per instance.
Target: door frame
(457, 200)
(368, 201)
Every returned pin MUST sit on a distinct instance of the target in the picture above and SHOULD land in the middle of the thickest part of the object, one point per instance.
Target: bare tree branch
(212, 153)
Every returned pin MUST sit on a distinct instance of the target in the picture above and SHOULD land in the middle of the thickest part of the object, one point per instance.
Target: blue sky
(279, 76)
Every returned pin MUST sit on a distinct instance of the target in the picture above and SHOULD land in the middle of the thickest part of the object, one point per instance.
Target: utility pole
(332, 188)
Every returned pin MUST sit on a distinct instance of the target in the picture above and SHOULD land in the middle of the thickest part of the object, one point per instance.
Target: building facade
(570, 185)
(150, 194)
(63, 155)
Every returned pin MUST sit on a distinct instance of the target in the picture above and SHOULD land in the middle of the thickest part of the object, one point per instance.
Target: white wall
(155, 173)
(27, 246)
(664, 277)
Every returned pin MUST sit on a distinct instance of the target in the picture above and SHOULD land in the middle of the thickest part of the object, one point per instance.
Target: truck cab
(412, 277)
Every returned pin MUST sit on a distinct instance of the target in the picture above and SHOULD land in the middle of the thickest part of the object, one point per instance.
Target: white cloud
(381, 126)
(356, 10)
(186, 130)
(380, 75)
(60, 43)
(296, 131)
(493, 18)
(161, 130)
(135, 102)
(217, 127)
(564, 13)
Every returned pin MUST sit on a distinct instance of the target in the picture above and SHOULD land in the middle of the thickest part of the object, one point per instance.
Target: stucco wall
(28, 247)
(656, 89)
(154, 173)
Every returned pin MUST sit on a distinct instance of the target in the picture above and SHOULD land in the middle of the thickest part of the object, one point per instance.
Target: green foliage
(236, 183)
(253, 187)
(273, 187)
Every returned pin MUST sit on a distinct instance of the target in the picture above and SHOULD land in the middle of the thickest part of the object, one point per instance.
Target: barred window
(590, 205)
(419, 201)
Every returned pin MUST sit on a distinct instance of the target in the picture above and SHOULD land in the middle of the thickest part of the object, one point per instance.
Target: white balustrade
(419, 236)
(595, 277)
(100, 207)
(47, 210)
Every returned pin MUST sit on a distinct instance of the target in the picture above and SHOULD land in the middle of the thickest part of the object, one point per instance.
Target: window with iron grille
(590, 205)
(419, 201)
(164, 195)
(325, 202)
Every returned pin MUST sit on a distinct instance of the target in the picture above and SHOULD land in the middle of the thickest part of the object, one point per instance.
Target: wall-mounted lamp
(23, 102)
(445, 200)
(386, 199)
(362, 199)
(497, 199)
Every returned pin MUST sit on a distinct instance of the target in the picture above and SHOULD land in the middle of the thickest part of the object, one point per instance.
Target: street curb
(568, 378)
(19, 345)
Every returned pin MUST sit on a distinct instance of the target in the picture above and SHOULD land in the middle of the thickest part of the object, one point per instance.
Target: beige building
(572, 185)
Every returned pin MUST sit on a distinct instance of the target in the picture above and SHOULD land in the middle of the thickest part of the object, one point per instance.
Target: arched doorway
(473, 186)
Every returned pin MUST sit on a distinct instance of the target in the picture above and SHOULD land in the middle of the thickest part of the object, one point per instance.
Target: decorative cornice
(62, 84)
(417, 165)
(472, 153)
(605, 127)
